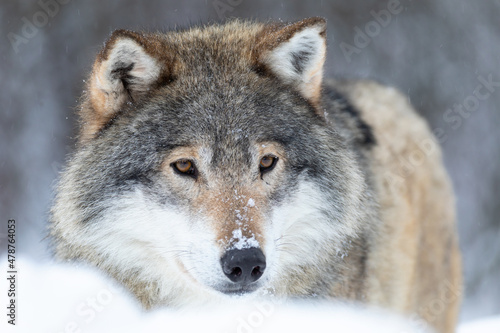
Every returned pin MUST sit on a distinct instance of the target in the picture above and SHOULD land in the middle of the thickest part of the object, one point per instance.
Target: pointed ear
(295, 53)
(124, 71)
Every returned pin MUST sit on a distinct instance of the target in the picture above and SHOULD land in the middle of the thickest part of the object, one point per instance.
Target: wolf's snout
(244, 266)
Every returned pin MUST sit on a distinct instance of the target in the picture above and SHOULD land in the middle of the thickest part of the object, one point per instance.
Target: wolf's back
(414, 263)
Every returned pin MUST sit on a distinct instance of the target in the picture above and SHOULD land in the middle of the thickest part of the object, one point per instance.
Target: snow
(69, 298)
(243, 242)
(251, 203)
(485, 325)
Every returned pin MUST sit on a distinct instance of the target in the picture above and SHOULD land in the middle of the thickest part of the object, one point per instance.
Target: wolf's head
(206, 166)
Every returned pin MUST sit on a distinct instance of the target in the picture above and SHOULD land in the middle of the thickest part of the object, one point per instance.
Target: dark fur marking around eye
(263, 168)
(191, 172)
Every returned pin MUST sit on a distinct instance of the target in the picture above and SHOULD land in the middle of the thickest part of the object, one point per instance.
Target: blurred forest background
(444, 55)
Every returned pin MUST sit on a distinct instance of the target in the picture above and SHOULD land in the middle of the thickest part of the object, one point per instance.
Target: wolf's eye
(267, 163)
(185, 168)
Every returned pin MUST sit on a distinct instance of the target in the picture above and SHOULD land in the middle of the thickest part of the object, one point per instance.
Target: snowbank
(486, 325)
(63, 298)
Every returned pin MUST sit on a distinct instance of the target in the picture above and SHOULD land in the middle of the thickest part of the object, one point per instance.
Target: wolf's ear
(295, 53)
(124, 71)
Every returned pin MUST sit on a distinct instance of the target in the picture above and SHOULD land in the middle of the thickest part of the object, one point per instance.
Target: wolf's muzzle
(244, 266)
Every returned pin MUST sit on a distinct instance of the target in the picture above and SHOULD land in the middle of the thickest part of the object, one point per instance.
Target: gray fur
(224, 101)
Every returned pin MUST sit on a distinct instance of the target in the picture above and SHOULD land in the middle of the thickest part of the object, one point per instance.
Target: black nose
(244, 266)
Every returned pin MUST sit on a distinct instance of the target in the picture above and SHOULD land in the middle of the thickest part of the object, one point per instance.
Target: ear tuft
(123, 72)
(296, 53)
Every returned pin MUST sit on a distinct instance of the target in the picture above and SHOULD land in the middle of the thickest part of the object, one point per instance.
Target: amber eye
(185, 168)
(267, 163)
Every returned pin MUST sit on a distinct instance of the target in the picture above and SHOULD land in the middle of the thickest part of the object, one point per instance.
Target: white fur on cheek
(158, 242)
(299, 229)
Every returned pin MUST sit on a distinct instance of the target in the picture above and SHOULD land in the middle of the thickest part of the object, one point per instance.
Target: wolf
(215, 163)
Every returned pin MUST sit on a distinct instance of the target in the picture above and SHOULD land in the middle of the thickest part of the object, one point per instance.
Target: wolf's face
(206, 166)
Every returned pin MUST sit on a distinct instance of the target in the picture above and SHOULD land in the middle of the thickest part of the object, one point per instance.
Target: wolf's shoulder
(384, 110)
